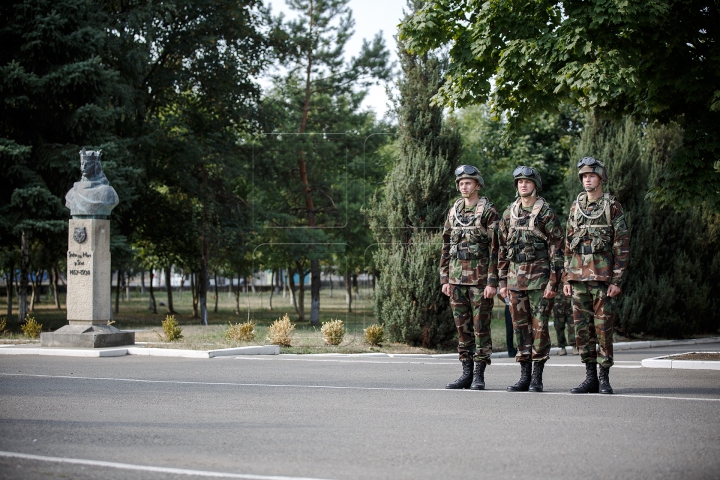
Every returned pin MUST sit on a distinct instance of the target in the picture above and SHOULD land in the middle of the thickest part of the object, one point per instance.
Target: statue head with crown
(92, 196)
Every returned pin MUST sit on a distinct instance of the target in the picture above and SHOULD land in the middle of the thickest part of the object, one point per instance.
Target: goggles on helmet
(467, 170)
(524, 171)
(589, 161)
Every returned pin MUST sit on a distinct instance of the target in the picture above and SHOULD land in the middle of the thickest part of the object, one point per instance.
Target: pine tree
(407, 221)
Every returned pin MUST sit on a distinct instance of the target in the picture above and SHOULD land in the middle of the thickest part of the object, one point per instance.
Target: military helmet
(468, 171)
(592, 165)
(529, 173)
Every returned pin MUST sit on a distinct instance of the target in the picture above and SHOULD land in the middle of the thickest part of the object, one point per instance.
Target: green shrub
(31, 328)
(279, 331)
(333, 332)
(172, 330)
(241, 332)
(374, 334)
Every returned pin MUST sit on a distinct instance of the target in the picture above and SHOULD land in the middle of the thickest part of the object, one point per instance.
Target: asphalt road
(350, 417)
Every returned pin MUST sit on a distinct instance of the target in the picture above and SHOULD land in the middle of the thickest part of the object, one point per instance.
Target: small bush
(333, 332)
(279, 331)
(171, 329)
(241, 332)
(374, 334)
(31, 328)
(3, 324)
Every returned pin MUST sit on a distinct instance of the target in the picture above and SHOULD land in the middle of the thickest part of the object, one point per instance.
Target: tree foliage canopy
(653, 59)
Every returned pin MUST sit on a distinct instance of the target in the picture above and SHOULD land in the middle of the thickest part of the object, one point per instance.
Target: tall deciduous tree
(655, 59)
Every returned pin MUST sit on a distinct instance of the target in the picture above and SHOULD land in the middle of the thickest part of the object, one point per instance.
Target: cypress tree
(674, 255)
(407, 220)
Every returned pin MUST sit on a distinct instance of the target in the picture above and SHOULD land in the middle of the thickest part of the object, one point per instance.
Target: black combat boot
(478, 382)
(524, 383)
(590, 385)
(604, 375)
(465, 379)
(536, 384)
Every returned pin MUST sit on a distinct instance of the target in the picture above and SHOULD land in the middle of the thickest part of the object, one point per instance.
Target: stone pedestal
(89, 300)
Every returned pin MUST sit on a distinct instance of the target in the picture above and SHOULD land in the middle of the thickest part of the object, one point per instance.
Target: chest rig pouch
(469, 240)
(525, 241)
(593, 230)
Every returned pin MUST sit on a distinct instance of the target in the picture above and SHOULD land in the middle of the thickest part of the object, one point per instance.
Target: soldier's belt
(465, 255)
(530, 256)
(585, 249)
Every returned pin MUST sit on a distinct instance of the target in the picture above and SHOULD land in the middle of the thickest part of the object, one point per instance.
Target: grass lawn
(135, 315)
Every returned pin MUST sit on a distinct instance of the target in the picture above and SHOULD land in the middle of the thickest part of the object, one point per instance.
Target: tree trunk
(168, 287)
(193, 289)
(348, 291)
(331, 284)
(34, 290)
(291, 288)
(272, 288)
(203, 280)
(56, 296)
(355, 285)
(142, 282)
(216, 291)
(237, 296)
(22, 287)
(301, 293)
(117, 291)
(153, 304)
(182, 284)
(10, 282)
(315, 292)
(127, 286)
(285, 282)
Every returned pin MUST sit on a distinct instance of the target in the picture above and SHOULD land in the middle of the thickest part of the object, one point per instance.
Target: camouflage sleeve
(621, 243)
(503, 261)
(568, 235)
(445, 255)
(490, 222)
(556, 250)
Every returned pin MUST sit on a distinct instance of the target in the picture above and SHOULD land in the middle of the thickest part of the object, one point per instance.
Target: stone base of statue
(88, 290)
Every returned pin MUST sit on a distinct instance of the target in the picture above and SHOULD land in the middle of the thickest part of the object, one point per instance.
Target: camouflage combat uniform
(530, 261)
(596, 254)
(563, 316)
(468, 264)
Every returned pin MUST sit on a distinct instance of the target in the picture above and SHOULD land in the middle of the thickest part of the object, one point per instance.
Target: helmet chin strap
(587, 189)
(531, 194)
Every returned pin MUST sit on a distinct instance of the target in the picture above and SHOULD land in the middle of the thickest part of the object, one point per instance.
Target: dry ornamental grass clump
(172, 330)
(241, 332)
(333, 332)
(279, 331)
(374, 334)
(3, 324)
(31, 328)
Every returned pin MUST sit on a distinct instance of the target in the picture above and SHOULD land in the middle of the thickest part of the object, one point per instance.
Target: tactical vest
(534, 246)
(593, 233)
(469, 240)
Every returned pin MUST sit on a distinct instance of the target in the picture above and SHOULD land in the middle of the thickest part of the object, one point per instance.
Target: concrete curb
(668, 362)
(152, 352)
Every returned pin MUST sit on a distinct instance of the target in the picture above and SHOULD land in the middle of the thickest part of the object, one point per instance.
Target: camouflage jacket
(527, 261)
(470, 245)
(597, 248)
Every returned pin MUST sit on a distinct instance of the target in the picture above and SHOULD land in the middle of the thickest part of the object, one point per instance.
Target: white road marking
(147, 468)
(336, 387)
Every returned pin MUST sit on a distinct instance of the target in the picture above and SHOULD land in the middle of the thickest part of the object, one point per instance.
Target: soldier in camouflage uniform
(468, 273)
(563, 316)
(596, 255)
(530, 268)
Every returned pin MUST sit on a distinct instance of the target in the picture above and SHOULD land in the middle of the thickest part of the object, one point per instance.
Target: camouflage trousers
(530, 316)
(563, 317)
(594, 314)
(471, 311)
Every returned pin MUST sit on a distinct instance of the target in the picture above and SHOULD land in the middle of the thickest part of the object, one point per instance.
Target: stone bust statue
(92, 195)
